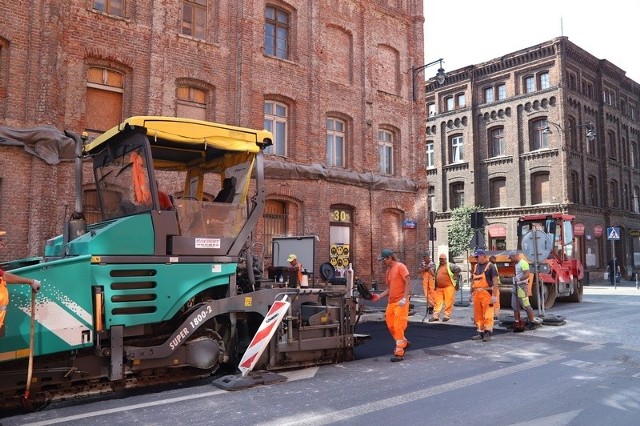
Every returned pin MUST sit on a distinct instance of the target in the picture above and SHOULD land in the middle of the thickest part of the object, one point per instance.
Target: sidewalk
(602, 287)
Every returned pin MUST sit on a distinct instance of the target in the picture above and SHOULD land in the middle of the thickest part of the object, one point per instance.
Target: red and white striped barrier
(263, 335)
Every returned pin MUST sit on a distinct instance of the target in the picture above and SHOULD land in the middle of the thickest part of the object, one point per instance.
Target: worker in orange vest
(445, 278)
(397, 313)
(483, 289)
(427, 268)
(9, 278)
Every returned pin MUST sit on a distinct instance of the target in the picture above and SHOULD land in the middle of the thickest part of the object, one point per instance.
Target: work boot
(430, 310)
(479, 336)
(518, 327)
(397, 358)
(487, 336)
(532, 325)
(445, 319)
(433, 319)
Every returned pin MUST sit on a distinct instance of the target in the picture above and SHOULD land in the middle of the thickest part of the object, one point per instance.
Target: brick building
(331, 79)
(549, 128)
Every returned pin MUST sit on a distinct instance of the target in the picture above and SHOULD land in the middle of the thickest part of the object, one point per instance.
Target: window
(276, 32)
(275, 223)
(574, 191)
(498, 192)
(103, 99)
(636, 199)
(625, 197)
(112, 7)
(457, 195)
(591, 146)
(497, 147)
(461, 101)
(633, 155)
(614, 200)
(385, 152)
(450, 101)
(431, 109)
(488, 95)
(572, 133)
(275, 121)
(191, 102)
(194, 18)
(431, 197)
(335, 142)
(543, 79)
(573, 82)
(612, 150)
(592, 191)
(529, 85)
(431, 155)
(539, 139)
(502, 92)
(457, 149)
(540, 188)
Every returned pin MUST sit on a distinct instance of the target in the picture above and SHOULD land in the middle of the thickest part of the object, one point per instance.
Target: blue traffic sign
(613, 233)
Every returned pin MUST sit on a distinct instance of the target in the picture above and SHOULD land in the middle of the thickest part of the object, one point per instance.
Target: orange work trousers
(397, 318)
(482, 310)
(444, 298)
(429, 289)
(496, 305)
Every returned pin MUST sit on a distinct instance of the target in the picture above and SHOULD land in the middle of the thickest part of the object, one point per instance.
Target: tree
(460, 231)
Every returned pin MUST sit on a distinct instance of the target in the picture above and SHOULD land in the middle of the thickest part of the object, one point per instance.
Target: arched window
(336, 137)
(275, 121)
(385, 152)
(540, 188)
(276, 32)
(496, 147)
(539, 139)
(498, 192)
(105, 88)
(194, 18)
(456, 149)
(456, 195)
(275, 222)
(191, 102)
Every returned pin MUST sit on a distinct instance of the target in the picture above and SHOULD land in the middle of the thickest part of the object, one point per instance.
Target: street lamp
(440, 75)
(590, 133)
(432, 231)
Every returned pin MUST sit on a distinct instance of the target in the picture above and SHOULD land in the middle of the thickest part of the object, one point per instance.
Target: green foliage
(460, 231)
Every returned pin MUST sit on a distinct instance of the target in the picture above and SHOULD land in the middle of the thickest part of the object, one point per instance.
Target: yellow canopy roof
(190, 133)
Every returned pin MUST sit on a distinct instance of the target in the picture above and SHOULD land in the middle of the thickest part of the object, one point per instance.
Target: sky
(467, 32)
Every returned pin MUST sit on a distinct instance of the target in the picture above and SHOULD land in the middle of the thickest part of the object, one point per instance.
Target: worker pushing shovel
(10, 278)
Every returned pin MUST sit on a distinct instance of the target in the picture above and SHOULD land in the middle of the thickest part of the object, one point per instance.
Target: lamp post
(440, 75)
(432, 232)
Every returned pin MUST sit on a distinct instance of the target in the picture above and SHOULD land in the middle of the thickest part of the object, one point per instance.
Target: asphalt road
(586, 372)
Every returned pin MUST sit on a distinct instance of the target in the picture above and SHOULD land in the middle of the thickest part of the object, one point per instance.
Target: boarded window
(103, 99)
(498, 192)
(540, 188)
(275, 223)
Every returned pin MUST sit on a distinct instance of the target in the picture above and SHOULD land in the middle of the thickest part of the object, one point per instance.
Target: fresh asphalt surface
(586, 372)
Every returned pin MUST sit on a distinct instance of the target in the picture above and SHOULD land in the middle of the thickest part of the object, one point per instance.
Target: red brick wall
(46, 50)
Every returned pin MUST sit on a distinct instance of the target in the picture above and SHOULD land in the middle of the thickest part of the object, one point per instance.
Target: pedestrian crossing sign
(613, 233)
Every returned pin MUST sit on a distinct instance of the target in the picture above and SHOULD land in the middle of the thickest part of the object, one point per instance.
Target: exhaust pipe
(77, 223)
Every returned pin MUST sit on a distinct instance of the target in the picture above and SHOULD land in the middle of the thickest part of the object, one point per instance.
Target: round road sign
(537, 245)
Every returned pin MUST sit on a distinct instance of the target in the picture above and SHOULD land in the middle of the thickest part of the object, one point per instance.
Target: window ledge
(277, 58)
(195, 39)
(456, 166)
(540, 153)
(108, 15)
(498, 160)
